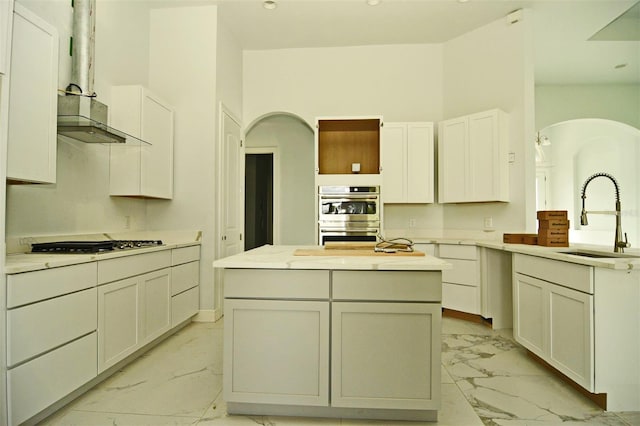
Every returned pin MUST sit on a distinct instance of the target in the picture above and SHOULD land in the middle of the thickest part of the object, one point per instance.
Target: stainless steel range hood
(84, 119)
(80, 115)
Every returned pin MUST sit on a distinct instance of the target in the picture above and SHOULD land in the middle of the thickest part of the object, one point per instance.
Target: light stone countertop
(630, 259)
(282, 257)
(27, 262)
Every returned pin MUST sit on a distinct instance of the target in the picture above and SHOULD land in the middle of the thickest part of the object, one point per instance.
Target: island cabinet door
(276, 352)
(385, 355)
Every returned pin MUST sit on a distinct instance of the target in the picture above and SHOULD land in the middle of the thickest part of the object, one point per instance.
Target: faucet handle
(626, 241)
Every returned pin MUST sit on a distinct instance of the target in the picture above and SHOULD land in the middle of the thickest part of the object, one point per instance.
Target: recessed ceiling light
(373, 2)
(269, 4)
(463, 1)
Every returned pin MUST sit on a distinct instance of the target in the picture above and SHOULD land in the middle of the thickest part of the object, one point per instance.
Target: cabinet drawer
(456, 251)
(276, 283)
(571, 275)
(129, 266)
(184, 276)
(464, 272)
(31, 287)
(461, 298)
(184, 255)
(184, 305)
(37, 328)
(424, 286)
(37, 384)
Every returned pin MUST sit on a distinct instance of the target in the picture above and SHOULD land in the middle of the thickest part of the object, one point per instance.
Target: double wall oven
(348, 213)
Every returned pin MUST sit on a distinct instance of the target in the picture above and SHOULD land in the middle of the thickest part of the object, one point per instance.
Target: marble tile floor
(487, 379)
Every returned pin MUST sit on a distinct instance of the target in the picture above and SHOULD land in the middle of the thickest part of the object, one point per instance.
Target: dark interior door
(258, 200)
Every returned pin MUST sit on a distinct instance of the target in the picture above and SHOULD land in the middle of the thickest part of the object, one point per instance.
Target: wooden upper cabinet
(340, 143)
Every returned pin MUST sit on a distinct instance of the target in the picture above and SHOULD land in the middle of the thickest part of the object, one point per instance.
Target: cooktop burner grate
(91, 246)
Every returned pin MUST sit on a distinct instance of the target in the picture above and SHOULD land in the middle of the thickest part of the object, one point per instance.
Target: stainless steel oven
(348, 213)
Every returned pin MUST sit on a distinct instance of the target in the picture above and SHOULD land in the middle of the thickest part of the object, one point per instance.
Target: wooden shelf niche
(347, 141)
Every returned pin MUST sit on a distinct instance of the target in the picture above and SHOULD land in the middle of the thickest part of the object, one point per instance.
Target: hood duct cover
(80, 115)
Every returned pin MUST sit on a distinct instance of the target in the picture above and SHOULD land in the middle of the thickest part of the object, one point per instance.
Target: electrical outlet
(127, 222)
(488, 222)
(412, 223)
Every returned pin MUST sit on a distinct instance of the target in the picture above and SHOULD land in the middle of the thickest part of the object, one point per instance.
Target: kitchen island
(332, 336)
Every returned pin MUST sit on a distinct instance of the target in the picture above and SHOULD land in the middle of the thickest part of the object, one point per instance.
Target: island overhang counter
(332, 336)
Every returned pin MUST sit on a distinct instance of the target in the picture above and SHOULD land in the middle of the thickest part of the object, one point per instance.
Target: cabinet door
(530, 314)
(119, 325)
(144, 170)
(400, 342)
(155, 289)
(393, 156)
(276, 352)
(420, 163)
(6, 9)
(157, 158)
(571, 334)
(488, 157)
(453, 160)
(32, 138)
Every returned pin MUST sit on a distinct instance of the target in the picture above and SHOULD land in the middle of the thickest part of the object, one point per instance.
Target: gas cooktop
(80, 247)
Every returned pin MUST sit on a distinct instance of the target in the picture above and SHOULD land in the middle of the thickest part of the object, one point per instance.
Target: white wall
(400, 82)
(557, 103)
(492, 67)
(182, 69)
(294, 141)
(229, 71)
(79, 202)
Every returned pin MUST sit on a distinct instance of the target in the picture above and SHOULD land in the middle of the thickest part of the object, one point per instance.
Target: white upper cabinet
(473, 158)
(407, 158)
(141, 170)
(33, 110)
(6, 7)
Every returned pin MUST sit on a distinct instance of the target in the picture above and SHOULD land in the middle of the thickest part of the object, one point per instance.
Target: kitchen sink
(600, 254)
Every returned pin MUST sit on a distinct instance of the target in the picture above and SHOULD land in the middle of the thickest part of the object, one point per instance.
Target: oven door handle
(343, 198)
(350, 231)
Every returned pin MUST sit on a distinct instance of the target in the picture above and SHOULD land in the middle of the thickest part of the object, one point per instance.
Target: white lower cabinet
(67, 325)
(51, 337)
(379, 349)
(554, 320)
(33, 386)
(461, 284)
(383, 355)
(131, 313)
(277, 352)
(185, 280)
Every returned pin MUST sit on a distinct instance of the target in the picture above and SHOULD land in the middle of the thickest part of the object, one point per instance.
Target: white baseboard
(208, 315)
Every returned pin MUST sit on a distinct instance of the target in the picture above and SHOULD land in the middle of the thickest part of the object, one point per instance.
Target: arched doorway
(279, 181)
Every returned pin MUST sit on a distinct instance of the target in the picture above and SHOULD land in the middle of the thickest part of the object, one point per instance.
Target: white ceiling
(562, 28)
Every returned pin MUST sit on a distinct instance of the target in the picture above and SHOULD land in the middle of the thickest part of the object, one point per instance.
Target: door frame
(218, 289)
(273, 150)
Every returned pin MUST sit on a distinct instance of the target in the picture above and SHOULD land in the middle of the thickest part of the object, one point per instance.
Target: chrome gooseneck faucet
(618, 245)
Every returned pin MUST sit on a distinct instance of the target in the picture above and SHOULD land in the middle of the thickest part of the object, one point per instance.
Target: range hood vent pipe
(83, 47)
(80, 115)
